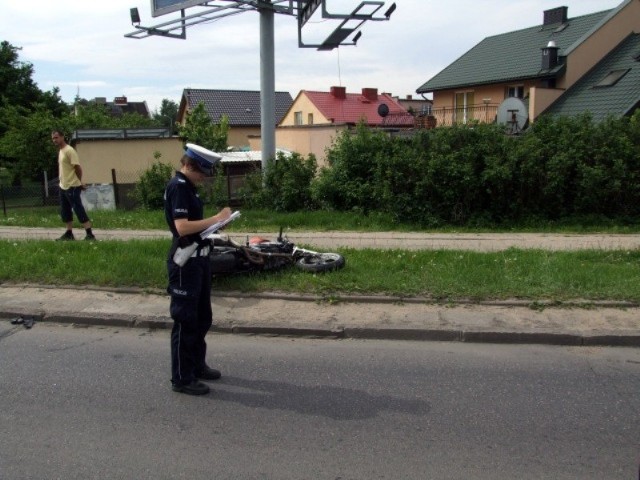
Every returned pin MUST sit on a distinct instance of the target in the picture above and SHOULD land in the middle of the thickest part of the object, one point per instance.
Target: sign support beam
(267, 84)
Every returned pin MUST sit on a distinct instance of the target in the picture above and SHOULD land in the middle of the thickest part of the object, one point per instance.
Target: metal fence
(124, 185)
(31, 195)
(27, 196)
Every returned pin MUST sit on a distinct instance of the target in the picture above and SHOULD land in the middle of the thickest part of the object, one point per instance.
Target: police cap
(205, 159)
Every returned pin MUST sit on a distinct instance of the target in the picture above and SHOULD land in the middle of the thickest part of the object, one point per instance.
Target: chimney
(339, 92)
(370, 94)
(550, 56)
(555, 15)
(409, 97)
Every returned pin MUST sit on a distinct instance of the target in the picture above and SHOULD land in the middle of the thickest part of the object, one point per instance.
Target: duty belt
(201, 252)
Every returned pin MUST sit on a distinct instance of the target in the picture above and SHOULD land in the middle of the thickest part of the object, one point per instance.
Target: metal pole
(116, 196)
(267, 83)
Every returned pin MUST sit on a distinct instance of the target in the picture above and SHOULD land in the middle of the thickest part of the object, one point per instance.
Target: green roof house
(563, 66)
(611, 88)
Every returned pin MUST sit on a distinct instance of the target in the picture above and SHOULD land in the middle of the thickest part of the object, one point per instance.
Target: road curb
(156, 320)
(337, 298)
(356, 333)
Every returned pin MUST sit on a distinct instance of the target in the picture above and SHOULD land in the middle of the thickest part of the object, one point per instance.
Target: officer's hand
(224, 213)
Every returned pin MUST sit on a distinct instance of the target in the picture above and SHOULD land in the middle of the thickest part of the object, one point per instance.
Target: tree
(16, 84)
(18, 89)
(26, 116)
(27, 144)
(167, 114)
(199, 129)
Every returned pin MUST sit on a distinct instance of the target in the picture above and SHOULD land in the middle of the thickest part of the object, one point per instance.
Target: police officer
(190, 284)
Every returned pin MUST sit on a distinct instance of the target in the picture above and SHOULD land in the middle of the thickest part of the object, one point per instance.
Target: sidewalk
(483, 242)
(351, 317)
(616, 324)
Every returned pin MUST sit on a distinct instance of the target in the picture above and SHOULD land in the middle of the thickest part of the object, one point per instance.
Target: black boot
(193, 388)
(208, 373)
(68, 235)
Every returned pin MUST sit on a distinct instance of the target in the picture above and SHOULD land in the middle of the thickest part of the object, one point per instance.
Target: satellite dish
(383, 110)
(513, 114)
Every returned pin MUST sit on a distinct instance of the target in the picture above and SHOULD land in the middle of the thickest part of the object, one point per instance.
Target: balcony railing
(444, 116)
(448, 116)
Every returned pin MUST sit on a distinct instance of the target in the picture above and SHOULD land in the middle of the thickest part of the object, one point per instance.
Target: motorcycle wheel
(321, 262)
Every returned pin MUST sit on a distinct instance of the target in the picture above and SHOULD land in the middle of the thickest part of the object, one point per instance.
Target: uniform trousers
(190, 309)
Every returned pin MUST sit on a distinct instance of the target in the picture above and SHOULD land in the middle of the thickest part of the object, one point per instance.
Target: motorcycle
(229, 257)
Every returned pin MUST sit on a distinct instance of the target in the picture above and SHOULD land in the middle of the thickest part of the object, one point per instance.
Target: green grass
(263, 220)
(440, 275)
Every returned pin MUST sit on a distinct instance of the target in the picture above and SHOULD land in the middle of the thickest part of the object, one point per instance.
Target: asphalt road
(95, 403)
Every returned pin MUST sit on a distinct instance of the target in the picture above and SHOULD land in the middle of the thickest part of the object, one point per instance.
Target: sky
(79, 46)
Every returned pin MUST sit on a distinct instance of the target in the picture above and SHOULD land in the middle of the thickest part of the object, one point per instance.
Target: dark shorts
(70, 201)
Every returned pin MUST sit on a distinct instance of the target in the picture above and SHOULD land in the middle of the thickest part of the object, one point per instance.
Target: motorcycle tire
(321, 262)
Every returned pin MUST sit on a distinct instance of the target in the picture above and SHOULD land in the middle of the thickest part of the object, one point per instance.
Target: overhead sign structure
(162, 7)
(348, 29)
(338, 28)
(347, 32)
(306, 11)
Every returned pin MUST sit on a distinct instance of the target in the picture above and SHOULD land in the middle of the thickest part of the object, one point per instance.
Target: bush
(214, 191)
(251, 192)
(474, 174)
(149, 191)
(349, 181)
(286, 184)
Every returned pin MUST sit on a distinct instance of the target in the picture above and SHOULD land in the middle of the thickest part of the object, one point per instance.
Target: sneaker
(68, 235)
(193, 388)
(208, 373)
(90, 236)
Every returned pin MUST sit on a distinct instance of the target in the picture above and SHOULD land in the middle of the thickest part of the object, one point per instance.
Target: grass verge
(445, 275)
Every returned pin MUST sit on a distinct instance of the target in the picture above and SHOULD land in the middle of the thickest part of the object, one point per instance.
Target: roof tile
(241, 106)
(511, 56)
(618, 99)
(354, 107)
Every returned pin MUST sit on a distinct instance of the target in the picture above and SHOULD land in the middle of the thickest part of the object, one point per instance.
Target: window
(297, 118)
(310, 119)
(516, 91)
(464, 101)
(611, 78)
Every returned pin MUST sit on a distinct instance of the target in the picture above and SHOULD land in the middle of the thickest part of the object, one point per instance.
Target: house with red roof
(337, 107)
(315, 119)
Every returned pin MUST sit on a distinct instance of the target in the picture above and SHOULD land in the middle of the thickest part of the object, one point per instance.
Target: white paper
(218, 225)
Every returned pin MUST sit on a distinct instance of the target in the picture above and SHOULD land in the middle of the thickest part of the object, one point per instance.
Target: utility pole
(267, 83)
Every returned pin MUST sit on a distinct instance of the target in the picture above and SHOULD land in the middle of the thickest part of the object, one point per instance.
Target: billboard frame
(174, 7)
